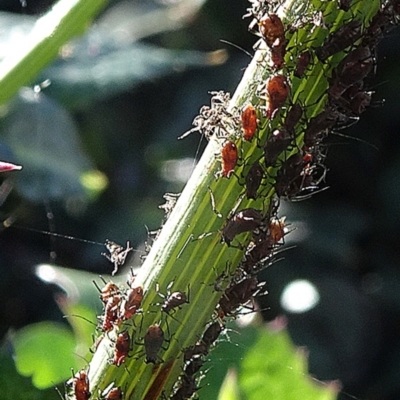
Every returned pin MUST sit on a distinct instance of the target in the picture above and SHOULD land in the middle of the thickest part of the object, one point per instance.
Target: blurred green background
(99, 149)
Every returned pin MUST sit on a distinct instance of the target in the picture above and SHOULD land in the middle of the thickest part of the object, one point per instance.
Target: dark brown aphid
(272, 30)
(194, 366)
(353, 68)
(253, 180)
(259, 251)
(276, 93)
(302, 63)
(187, 388)
(131, 304)
(174, 300)
(199, 349)
(318, 125)
(237, 295)
(275, 145)
(153, 341)
(122, 347)
(345, 4)
(229, 159)
(337, 41)
(80, 386)
(111, 313)
(249, 122)
(360, 102)
(293, 116)
(245, 220)
(211, 334)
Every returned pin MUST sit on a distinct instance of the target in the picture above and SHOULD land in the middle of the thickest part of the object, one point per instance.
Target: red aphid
(229, 158)
(276, 93)
(122, 347)
(114, 394)
(131, 303)
(272, 30)
(249, 122)
(80, 385)
(277, 229)
(110, 289)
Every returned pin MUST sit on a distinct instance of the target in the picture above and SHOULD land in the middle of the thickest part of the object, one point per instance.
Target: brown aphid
(360, 102)
(229, 159)
(122, 347)
(238, 294)
(272, 30)
(253, 180)
(259, 251)
(276, 93)
(245, 220)
(111, 313)
(249, 122)
(193, 367)
(131, 304)
(174, 300)
(277, 229)
(109, 290)
(199, 349)
(303, 62)
(337, 41)
(153, 340)
(113, 394)
(80, 386)
(187, 388)
(275, 145)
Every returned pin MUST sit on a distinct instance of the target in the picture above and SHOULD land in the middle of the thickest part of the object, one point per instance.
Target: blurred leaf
(229, 389)
(89, 75)
(14, 386)
(45, 351)
(45, 141)
(274, 369)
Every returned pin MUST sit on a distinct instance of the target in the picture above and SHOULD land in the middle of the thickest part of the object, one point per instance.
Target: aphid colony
(291, 156)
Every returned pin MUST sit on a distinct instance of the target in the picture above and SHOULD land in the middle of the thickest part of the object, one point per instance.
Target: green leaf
(274, 369)
(45, 351)
(229, 389)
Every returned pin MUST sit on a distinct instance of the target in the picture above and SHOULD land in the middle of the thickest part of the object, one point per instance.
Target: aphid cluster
(291, 157)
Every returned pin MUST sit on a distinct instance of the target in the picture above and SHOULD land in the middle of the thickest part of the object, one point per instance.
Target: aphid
(187, 388)
(153, 341)
(211, 334)
(229, 159)
(277, 229)
(199, 349)
(249, 122)
(80, 386)
(243, 221)
(353, 68)
(258, 252)
(272, 30)
(238, 294)
(276, 93)
(337, 41)
(345, 4)
(360, 102)
(319, 124)
(194, 366)
(111, 313)
(278, 56)
(110, 289)
(293, 116)
(131, 303)
(253, 180)
(275, 145)
(122, 347)
(117, 254)
(172, 300)
(115, 393)
(303, 62)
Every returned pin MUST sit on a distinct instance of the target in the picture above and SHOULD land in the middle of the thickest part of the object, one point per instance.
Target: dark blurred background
(118, 100)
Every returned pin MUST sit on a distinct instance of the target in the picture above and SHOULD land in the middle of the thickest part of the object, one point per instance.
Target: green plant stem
(188, 251)
(66, 19)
